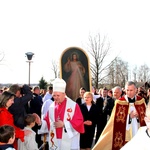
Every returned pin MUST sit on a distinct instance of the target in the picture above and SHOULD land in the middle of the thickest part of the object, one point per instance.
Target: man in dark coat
(105, 105)
(35, 107)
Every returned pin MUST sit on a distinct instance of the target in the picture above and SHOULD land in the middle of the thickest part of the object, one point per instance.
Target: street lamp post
(29, 57)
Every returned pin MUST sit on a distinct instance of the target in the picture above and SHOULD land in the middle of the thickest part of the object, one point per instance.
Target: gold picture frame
(75, 70)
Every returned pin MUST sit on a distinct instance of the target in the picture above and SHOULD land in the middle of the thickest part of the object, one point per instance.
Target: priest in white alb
(141, 141)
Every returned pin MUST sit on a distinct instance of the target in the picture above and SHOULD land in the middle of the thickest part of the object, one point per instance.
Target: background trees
(42, 83)
(143, 73)
(118, 73)
(99, 50)
(54, 68)
(107, 70)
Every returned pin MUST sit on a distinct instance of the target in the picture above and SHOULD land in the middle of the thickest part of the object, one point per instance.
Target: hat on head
(59, 85)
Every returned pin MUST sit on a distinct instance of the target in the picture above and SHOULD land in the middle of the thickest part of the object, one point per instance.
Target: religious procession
(73, 115)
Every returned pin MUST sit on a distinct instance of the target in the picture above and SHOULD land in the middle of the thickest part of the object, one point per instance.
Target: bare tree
(99, 50)
(111, 75)
(55, 68)
(143, 73)
(135, 72)
(117, 73)
(122, 72)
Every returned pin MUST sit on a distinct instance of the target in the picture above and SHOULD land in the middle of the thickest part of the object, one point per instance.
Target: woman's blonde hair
(89, 94)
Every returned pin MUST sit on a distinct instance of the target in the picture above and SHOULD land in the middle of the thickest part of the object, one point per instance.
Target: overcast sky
(47, 27)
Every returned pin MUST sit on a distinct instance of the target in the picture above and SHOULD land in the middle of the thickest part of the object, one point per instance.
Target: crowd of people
(106, 119)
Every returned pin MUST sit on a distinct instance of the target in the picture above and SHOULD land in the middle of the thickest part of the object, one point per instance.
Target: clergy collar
(132, 97)
(131, 100)
(126, 97)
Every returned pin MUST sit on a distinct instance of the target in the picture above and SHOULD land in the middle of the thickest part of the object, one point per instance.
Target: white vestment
(134, 123)
(44, 110)
(141, 141)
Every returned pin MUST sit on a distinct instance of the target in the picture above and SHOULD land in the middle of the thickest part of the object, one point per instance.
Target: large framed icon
(75, 70)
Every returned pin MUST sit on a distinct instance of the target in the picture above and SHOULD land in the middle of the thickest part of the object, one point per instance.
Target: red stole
(59, 113)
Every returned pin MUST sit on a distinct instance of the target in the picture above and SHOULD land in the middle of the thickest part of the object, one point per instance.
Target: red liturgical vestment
(115, 135)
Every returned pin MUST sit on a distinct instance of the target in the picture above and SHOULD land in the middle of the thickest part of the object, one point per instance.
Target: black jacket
(36, 104)
(4, 147)
(104, 111)
(17, 109)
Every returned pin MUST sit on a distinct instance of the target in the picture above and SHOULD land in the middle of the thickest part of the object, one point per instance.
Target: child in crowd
(7, 137)
(29, 143)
